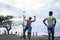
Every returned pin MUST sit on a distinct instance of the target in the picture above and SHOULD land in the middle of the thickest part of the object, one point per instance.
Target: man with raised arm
(28, 26)
(51, 22)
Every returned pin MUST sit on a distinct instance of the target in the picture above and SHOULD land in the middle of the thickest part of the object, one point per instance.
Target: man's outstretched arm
(34, 19)
(44, 22)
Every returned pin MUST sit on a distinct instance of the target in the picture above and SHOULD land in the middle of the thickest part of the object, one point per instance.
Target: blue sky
(38, 8)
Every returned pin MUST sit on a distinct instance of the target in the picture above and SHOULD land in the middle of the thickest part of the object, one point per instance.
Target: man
(28, 26)
(51, 22)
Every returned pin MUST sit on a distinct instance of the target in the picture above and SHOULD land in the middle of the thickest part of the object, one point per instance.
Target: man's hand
(34, 19)
(54, 26)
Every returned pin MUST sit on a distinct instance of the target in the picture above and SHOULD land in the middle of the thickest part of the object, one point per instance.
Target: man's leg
(53, 34)
(49, 33)
(49, 36)
(24, 36)
(29, 32)
(24, 30)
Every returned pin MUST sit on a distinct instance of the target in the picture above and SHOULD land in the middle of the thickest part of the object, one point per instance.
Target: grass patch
(15, 37)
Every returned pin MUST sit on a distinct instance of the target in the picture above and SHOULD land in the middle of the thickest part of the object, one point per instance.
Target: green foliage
(1, 18)
(8, 17)
(5, 22)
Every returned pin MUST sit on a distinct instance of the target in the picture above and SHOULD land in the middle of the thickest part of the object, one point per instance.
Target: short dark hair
(30, 18)
(50, 13)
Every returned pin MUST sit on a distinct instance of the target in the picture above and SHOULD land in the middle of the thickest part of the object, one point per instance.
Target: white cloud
(16, 19)
(27, 4)
(5, 12)
(57, 4)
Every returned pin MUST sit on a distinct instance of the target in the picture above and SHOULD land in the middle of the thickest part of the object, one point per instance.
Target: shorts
(50, 29)
(29, 28)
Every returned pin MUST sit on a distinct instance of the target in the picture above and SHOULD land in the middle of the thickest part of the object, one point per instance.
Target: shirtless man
(28, 26)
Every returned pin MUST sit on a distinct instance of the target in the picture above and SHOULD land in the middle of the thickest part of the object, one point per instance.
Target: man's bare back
(28, 23)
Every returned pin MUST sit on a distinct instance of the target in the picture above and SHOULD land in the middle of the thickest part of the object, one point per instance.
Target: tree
(5, 22)
(7, 25)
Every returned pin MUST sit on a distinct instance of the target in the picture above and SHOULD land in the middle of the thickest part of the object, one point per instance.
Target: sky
(38, 8)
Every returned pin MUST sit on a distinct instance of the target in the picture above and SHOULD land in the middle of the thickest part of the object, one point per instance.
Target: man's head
(30, 18)
(50, 13)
